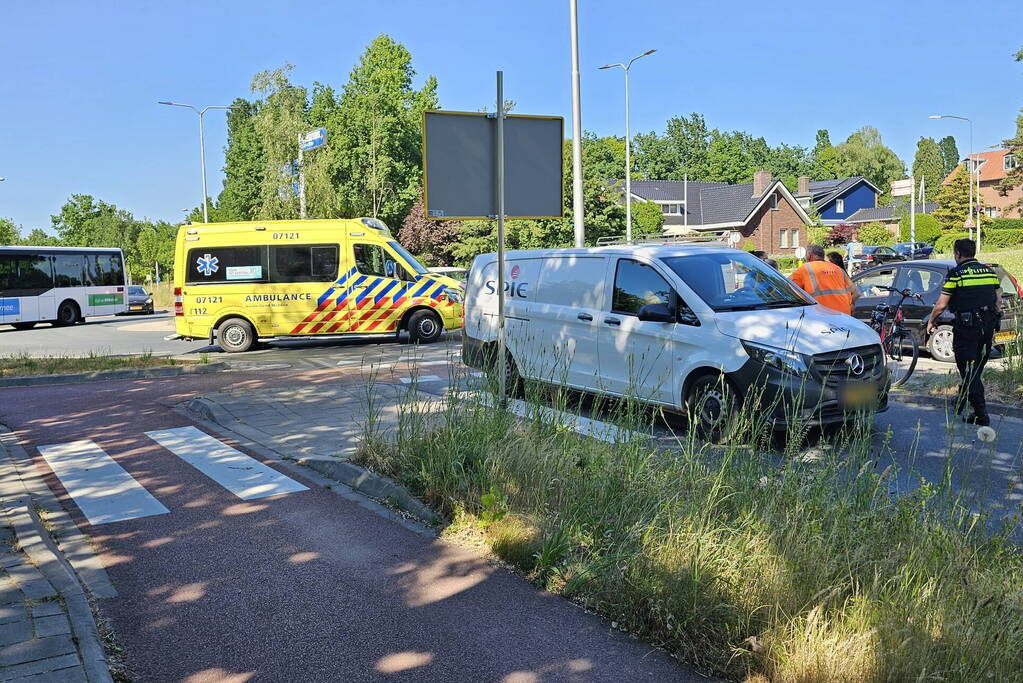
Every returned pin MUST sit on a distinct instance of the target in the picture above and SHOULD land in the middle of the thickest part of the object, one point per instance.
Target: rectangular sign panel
(902, 188)
(460, 165)
(313, 139)
(105, 299)
(10, 306)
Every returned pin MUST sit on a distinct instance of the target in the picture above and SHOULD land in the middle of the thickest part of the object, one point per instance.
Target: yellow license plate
(1006, 336)
(859, 394)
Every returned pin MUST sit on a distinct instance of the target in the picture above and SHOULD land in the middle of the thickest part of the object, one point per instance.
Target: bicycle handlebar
(906, 294)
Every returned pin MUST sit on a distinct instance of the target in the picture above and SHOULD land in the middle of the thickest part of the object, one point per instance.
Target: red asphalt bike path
(305, 586)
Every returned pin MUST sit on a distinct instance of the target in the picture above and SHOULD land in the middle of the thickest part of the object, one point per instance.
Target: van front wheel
(424, 327)
(236, 335)
(711, 407)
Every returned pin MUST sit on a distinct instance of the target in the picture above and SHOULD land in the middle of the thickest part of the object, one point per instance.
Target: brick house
(763, 212)
(993, 167)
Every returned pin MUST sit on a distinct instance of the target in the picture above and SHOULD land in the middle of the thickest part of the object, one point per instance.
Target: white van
(692, 327)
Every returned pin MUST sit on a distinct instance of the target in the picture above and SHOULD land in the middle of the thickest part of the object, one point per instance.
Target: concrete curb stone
(335, 468)
(32, 539)
(107, 375)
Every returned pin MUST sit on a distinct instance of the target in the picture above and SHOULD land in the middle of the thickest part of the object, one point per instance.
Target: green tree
(788, 162)
(953, 200)
(605, 156)
(682, 151)
(155, 245)
(928, 164)
(864, 154)
(928, 229)
(376, 155)
(244, 164)
(647, 218)
(9, 232)
(733, 157)
(40, 238)
(432, 241)
(823, 158)
(70, 223)
(949, 155)
(875, 233)
(1014, 178)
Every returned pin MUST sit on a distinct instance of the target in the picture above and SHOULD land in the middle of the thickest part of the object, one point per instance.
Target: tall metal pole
(202, 164)
(912, 213)
(578, 204)
(502, 389)
(628, 165)
(973, 212)
(301, 180)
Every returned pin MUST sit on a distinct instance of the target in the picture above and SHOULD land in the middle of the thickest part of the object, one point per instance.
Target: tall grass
(737, 560)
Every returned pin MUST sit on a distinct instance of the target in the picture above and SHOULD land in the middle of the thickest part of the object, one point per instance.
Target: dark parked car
(914, 250)
(925, 278)
(139, 300)
(874, 255)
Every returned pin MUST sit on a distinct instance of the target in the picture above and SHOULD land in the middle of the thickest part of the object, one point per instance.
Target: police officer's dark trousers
(972, 348)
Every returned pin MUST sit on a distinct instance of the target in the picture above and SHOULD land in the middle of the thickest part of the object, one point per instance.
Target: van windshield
(736, 281)
(409, 258)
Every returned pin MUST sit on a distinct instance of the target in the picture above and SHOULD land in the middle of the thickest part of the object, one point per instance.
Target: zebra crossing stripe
(101, 488)
(243, 476)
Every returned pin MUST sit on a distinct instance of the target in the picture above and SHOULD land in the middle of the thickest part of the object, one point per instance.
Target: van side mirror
(656, 313)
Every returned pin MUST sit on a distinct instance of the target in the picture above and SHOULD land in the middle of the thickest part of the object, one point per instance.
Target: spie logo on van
(511, 287)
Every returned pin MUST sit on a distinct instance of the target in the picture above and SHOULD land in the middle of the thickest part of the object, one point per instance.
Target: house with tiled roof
(836, 200)
(891, 215)
(763, 212)
(993, 166)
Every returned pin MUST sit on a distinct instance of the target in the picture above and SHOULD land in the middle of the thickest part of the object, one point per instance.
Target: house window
(991, 211)
(1009, 162)
(774, 202)
(839, 206)
(669, 209)
(784, 239)
(795, 237)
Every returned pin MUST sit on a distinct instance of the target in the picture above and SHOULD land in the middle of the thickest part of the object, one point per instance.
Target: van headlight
(454, 295)
(780, 359)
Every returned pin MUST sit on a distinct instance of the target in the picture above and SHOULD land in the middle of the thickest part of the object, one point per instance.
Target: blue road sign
(313, 139)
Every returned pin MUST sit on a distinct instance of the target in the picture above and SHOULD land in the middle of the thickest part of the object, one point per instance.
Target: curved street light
(202, 148)
(971, 166)
(628, 143)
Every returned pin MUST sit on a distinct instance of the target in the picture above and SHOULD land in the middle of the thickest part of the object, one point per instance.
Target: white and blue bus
(59, 285)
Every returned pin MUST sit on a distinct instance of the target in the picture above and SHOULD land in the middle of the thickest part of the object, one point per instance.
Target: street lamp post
(628, 143)
(202, 149)
(974, 210)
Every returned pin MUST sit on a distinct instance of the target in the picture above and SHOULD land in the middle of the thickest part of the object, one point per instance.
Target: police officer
(971, 292)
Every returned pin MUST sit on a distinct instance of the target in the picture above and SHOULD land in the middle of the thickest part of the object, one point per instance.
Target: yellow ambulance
(239, 283)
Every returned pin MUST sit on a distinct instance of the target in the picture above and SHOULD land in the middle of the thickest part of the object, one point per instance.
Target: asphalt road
(302, 586)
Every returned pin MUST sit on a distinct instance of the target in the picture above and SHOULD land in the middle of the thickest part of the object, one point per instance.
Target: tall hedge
(1005, 224)
(875, 233)
(928, 229)
(990, 239)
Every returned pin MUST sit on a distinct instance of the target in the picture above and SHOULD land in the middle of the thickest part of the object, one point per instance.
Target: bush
(875, 233)
(787, 262)
(990, 239)
(1005, 224)
(944, 243)
(840, 235)
(647, 218)
(817, 234)
(928, 229)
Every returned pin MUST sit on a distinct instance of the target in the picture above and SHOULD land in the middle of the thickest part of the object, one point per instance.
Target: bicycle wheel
(902, 352)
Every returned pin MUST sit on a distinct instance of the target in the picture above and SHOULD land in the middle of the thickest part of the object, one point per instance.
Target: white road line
(605, 431)
(101, 488)
(428, 362)
(243, 476)
(419, 380)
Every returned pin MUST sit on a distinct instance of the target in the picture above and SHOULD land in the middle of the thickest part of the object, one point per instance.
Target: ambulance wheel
(235, 335)
(67, 314)
(424, 327)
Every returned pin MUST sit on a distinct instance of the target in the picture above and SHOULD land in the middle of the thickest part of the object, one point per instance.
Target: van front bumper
(808, 399)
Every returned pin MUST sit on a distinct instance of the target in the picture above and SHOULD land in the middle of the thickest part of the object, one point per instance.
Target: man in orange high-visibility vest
(826, 282)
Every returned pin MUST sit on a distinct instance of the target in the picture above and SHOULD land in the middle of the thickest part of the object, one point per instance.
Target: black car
(875, 255)
(925, 278)
(914, 250)
(139, 300)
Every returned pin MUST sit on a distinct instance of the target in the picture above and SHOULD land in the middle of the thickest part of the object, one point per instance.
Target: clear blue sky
(80, 82)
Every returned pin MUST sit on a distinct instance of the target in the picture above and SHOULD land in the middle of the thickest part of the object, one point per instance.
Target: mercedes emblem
(856, 364)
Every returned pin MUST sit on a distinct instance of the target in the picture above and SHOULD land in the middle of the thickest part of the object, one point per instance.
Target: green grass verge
(23, 365)
(799, 570)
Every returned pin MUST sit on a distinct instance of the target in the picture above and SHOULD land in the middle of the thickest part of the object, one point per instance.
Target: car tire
(23, 326)
(939, 344)
(236, 335)
(67, 314)
(424, 327)
(712, 408)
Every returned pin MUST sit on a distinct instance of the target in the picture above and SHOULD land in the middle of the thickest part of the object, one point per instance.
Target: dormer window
(839, 206)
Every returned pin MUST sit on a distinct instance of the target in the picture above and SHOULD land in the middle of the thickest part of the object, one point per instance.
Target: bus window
(69, 270)
(8, 272)
(303, 263)
(34, 273)
(104, 269)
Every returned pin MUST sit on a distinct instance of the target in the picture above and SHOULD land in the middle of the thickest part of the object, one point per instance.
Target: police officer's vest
(972, 288)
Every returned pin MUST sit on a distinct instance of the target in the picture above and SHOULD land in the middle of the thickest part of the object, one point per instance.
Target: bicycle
(897, 342)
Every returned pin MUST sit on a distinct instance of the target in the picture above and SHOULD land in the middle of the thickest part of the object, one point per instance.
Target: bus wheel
(23, 326)
(236, 335)
(67, 314)
(424, 327)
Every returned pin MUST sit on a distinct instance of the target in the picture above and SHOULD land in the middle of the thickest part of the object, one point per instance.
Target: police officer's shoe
(979, 420)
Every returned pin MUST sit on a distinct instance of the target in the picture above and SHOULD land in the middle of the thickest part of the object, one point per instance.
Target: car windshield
(409, 258)
(736, 281)
(870, 250)
(135, 290)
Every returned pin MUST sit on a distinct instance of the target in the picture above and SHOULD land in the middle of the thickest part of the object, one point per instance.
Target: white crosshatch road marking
(243, 476)
(101, 488)
(419, 380)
